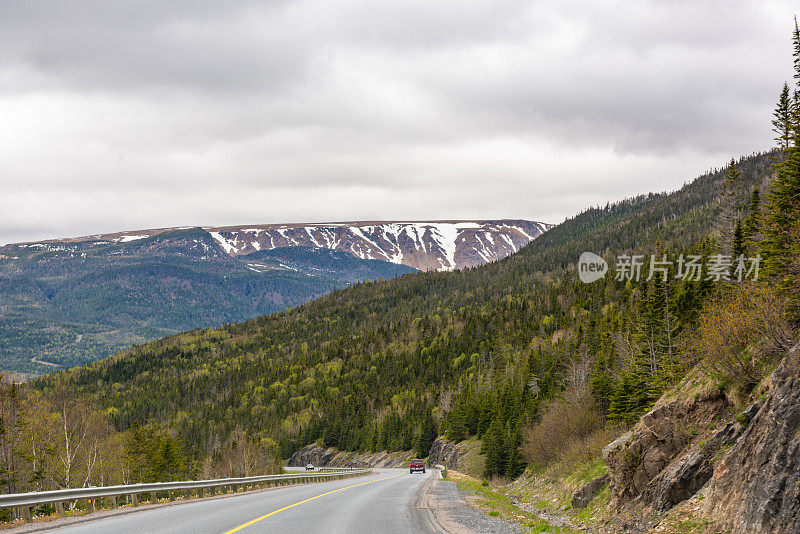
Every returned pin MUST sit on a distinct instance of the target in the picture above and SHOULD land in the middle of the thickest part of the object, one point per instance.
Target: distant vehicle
(417, 465)
(309, 467)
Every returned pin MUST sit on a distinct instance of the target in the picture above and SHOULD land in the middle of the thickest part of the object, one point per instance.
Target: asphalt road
(384, 502)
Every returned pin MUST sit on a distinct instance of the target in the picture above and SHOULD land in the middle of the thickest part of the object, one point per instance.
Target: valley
(72, 301)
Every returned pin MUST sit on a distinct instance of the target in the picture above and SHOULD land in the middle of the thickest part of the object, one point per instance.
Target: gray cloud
(123, 115)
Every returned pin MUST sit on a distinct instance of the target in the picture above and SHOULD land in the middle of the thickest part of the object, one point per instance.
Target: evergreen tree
(456, 424)
(726, 219)
(495, 449)
(752, 223)
(782, 121)
(601, 383)
(427, 435)
(632, 395)
(782, 224)
(515, 464)
(796, 52)
(738, 239)
(169, 461)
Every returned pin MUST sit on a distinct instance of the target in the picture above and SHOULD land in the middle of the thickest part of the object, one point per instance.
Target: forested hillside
(389, 365)
(65, 304)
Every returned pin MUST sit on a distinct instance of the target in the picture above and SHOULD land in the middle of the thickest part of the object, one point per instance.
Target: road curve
(384, 502)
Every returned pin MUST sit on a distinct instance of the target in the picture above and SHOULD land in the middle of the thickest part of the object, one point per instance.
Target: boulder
(584, 496)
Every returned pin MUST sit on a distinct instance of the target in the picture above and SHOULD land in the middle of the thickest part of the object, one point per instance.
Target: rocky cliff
(320, 456)
(330, 457)
(756, 485)
(738, 468)
(444, 449)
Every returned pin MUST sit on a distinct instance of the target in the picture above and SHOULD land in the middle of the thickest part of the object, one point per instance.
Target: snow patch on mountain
(435, 245)
(127, 238)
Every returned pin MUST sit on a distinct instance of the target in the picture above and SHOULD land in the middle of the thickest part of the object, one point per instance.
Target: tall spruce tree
(796, 51)
(782, 224)
(738, 239)
(752, 223)
(427, 435)
(782, 121)
(494, 447)
(726, 219)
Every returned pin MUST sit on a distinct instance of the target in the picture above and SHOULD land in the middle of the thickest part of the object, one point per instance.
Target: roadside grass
(495, 504)
(550, 490)
(686, 518)
(470, 461)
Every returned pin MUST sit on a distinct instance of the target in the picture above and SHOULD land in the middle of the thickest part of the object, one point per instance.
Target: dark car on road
(417, 465)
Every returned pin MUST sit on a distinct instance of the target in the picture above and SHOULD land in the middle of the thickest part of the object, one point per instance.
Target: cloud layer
(124, 115)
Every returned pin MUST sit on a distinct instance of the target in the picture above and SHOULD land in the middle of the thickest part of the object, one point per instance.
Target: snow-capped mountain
(69, 301)
(440, 245)
(437, 245)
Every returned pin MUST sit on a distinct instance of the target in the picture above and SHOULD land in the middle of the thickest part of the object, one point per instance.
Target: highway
(384, 502)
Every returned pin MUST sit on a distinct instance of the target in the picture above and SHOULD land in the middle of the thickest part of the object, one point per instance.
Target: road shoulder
(444, 508)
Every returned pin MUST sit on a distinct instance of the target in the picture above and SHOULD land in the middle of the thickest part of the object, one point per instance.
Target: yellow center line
(257, 519)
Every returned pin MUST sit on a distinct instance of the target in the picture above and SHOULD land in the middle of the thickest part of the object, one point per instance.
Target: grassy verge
(495, 504)
(470, 461)
(550, 490)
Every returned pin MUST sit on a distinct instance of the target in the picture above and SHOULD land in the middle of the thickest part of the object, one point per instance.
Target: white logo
(591, 267)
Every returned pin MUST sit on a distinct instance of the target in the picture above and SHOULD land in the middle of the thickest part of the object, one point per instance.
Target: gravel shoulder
(449, 511)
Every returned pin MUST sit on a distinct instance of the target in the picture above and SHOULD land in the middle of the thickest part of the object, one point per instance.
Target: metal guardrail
(22, 502)
(338, 469)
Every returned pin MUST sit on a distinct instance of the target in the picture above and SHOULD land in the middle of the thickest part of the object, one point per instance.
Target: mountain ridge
(71, 303)
(424, 245)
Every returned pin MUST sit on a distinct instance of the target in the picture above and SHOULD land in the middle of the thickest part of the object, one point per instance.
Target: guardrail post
(212, 490)
(90, 505)
(134, 499)
(171, 496)
(25, 513)
(153, 497)
(60, 508)
(113, 501)
(199, 493)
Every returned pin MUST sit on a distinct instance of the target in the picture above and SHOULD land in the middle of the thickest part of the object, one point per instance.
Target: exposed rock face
(329, 457)
(584, 496)
(314, 455)
(441, 449)
(639, 456)
(692, 469)
(756, 486)
(747, 471)
(666, 457)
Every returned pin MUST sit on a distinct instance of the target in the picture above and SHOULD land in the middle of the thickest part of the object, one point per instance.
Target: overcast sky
(120, 115)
